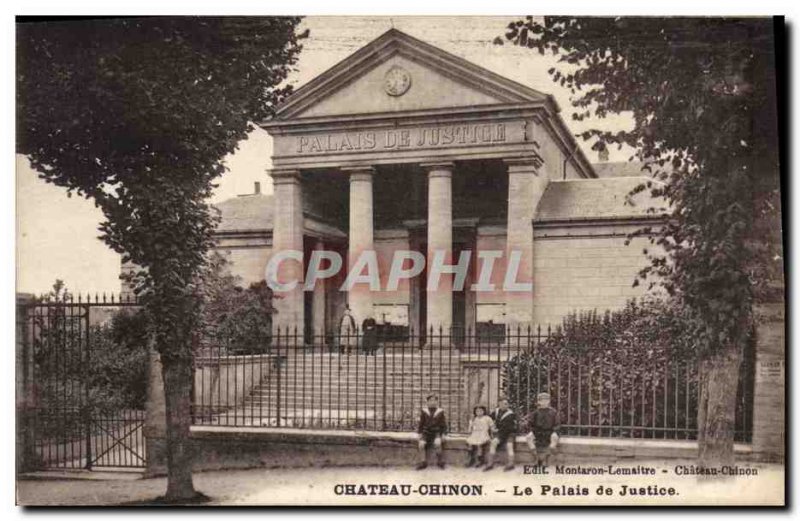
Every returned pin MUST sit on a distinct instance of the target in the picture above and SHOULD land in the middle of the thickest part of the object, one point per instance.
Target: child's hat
(543, 396)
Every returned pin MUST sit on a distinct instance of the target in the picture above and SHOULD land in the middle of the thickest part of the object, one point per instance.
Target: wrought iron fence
(73, 415)
(374, 382)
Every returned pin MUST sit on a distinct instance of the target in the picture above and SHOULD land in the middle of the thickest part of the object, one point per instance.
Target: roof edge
(372, 50)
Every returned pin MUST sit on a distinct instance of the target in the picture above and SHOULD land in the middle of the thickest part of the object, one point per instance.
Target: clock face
(397, 81)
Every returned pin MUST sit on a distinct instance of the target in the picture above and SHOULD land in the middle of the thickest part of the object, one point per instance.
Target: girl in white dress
(480, 428)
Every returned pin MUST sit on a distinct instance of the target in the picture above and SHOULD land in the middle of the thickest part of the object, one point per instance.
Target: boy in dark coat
(543, 424)
(505, 430)
(432, 426)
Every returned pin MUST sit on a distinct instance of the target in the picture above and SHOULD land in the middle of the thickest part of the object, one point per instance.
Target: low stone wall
(238, 448)
(226, 381)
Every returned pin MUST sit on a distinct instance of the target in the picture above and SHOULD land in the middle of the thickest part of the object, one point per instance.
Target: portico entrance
(403, 147)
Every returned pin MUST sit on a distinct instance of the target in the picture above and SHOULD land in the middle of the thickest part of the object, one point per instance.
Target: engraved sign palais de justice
(406, 138)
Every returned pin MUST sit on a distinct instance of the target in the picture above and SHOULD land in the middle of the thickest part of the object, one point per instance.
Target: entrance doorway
(463, 299)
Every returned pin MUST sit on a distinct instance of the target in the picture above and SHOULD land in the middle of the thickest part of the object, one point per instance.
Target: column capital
(437, 165)
(439, 169)
(284, 176)
(526, 164)
(359, 173)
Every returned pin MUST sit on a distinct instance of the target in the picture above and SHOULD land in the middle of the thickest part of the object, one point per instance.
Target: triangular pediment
(399, 73)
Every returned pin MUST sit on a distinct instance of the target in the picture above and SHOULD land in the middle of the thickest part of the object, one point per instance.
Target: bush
(106, 373)
(630, 372)
(117, 374)
(237, 319)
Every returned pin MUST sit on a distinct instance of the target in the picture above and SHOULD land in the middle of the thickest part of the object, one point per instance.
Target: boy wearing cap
(543, 424)
(432, 426)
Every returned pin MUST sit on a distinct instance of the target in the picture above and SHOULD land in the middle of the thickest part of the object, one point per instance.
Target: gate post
(25, 397)
(769, 409)
(155, 426)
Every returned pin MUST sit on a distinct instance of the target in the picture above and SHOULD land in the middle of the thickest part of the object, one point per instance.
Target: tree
(137, 115)
(238, 318)
(701, 92)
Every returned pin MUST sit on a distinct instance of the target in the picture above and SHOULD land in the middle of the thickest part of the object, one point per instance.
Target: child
(543, 424)
(480, 428)
(505, 422)
(432, 426)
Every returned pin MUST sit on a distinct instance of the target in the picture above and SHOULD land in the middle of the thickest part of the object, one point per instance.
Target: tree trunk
(177, 394)
(716, 412)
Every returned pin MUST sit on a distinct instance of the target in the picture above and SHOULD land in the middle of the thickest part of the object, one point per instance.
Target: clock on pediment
(397, 81)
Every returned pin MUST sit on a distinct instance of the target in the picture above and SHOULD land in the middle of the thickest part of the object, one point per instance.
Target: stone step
(359, 394)
(360, 372)
(398, 411)
(361, 389)
(360, 377)
(414, 400)
(352, 377)
(368, 370)
(378, 391)
(414, 404)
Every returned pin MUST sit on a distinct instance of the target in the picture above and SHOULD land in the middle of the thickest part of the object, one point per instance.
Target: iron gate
(65, 423)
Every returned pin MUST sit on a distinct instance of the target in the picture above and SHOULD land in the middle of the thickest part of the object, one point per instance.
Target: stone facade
(584, 268)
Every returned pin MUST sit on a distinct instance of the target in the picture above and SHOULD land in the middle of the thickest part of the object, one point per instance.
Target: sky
(57, 237)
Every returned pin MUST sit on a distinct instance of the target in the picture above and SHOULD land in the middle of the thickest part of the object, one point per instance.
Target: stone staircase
(373, 392)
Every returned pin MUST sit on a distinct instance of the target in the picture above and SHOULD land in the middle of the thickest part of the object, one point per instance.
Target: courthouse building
(403, 146)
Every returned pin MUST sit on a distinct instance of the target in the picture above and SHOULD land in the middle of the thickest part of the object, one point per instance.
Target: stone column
(319, 302)
(287, 234)
(360, 237)
(440, 238)
(526, 185)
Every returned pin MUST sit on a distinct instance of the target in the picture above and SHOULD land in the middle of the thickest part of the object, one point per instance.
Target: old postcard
(501, 260)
